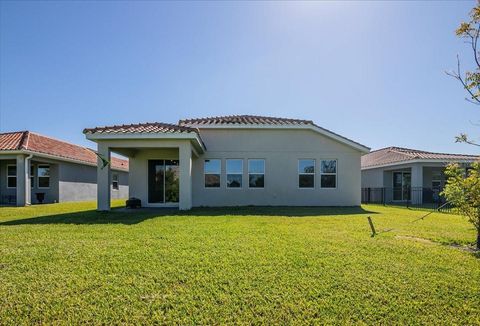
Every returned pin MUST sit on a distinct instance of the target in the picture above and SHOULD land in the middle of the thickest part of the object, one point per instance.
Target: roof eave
(198, 142)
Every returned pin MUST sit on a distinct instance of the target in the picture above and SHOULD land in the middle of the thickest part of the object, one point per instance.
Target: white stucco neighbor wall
(281, 149)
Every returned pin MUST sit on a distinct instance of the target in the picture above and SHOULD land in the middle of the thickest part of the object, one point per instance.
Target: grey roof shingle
(392, 155)
(150, 127)
(244, 120)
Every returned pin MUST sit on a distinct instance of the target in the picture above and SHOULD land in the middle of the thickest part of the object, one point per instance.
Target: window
(234, 173)
(11, 176)
(256, 173)
(306, 173)
(212, 169)
(32, 176)
(328, 174)
(43, 176)
(115, 181)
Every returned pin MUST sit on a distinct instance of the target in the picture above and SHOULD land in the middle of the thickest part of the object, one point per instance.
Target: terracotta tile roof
(153, 127)
(392, 155)
(189, 126)
(244, 120)
(33, 142)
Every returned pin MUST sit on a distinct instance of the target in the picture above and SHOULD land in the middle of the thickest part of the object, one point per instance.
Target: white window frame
(227, 174)
(12, 176)
(335, 174)
(38, 176)
(115, 179)
(205, 174)
(264, 172)
(304, 173)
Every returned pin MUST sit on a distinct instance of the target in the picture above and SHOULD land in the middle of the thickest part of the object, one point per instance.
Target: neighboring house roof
(32, 142)
(398, 155)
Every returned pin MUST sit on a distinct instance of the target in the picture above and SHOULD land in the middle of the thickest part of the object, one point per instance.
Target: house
(396, 174)
(232, 161)
(36, 168)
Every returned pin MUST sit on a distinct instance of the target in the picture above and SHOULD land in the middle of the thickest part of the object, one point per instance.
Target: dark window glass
(156, 175)
(212, 180)
(328, 181)
(256, 173)
(32, 176)
(12, 170)
(43, 182)
(212, 170)
(256, 180)
(234, 173)
(306, 173)
(43, 176)
(306, 180)
(11, 182)
(234, 180)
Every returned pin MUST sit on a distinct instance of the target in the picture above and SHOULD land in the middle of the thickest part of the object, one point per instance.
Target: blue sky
(371, 71)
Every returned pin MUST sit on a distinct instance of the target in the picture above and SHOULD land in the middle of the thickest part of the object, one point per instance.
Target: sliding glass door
(402, 182)
(163, 181)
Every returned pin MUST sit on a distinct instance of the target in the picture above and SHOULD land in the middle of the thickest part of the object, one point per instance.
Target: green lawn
(66, 263)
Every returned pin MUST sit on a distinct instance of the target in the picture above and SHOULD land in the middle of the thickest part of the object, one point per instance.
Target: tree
(463, 191)
(470, 80)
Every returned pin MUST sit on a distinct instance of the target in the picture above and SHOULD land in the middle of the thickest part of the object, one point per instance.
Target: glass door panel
(397, 185)
(172, 178)
(156, 180)
(407, 183)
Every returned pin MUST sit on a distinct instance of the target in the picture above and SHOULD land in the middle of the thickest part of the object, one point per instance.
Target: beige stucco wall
(281, 150)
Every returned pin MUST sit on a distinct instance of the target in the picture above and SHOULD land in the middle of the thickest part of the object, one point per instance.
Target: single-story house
(396, 174)
(36, 168)
(232, 161)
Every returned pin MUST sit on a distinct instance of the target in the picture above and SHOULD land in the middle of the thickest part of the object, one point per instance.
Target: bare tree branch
(458, 75)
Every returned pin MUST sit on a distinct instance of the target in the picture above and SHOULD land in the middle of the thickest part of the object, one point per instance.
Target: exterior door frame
(402, 191)
(164, 204)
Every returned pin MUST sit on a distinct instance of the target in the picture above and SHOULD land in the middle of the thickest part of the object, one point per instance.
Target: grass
(67, 264)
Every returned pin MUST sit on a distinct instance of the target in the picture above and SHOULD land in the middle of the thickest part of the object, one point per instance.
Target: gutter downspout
(28, 186)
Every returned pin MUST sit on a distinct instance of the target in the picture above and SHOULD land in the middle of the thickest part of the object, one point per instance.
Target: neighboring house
(395, 174)
(34, 166)
(233, 161)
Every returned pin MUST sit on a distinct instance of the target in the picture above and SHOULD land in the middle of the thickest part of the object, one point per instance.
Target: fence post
(371, 226)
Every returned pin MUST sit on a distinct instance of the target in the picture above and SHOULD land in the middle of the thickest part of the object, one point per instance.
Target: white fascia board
(427, 161)
(55, 158)
(343, 140)
(172, 135)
